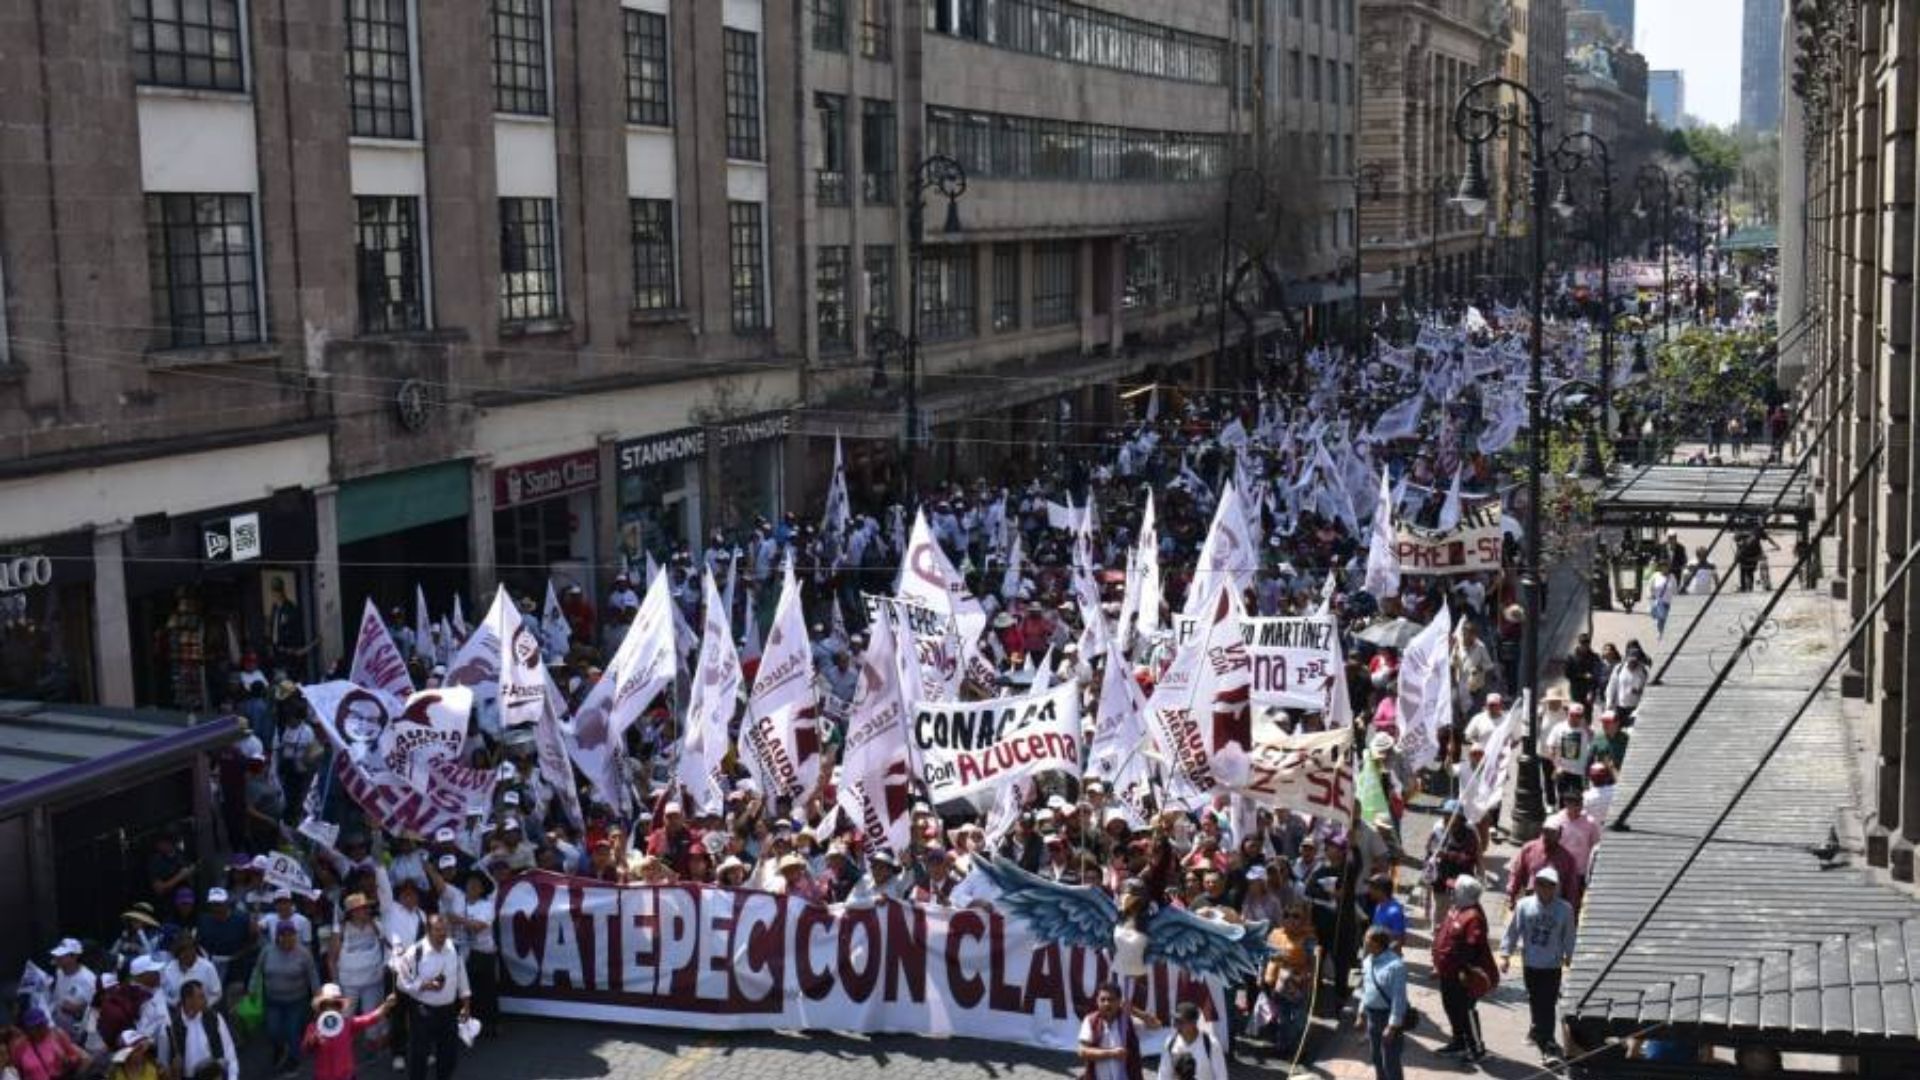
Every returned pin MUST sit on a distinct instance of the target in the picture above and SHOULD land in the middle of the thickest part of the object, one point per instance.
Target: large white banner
(712, 959)
(1307, 774)
(1292, 660)
(1472, 547)
(971, 746)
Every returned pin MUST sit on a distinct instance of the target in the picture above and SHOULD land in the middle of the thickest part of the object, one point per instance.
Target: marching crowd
(379, 946)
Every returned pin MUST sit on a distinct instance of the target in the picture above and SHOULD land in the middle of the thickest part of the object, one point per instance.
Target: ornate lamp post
(1367, 181)
(1478, 117)
(1568, 158)
(1650, 177)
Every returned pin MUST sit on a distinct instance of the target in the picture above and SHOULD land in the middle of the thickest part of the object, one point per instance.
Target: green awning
(388, 503)
(1753, 238)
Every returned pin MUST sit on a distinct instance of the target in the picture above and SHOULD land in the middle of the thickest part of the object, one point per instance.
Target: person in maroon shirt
(672, 840)
(1463, 962)
(1541, 852)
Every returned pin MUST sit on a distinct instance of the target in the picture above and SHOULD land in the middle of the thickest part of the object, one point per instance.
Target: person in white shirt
(1190, 1040)
(434, 979)
(1481, 728)
(882, 881)
(1660, 595)
(74, 985)
(283, 912)
(1569, 746)
(1626, 685)
(198, 1043)
(190, 965)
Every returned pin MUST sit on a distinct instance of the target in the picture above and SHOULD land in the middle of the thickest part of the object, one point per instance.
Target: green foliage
(1715, 153)
(1702, 377)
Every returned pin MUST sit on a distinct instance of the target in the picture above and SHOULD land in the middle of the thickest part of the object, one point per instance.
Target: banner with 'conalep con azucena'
(719, 959)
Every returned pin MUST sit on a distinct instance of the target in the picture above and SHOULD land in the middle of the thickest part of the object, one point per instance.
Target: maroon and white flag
(875, 790)
(644, 665)
(780, 740)
(377, 663)
(710, 707)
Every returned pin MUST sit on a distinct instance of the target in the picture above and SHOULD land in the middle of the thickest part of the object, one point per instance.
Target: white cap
(448, 862)
(143, 965)
(1496, 699)
(1057, 803)
(216, 896)
(512, 798)
(67, 947)
(671, 808)
(1548, 873)
(443, 835)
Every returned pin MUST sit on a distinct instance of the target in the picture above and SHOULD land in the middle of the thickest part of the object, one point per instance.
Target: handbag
(1478, 981)
(250, 1011)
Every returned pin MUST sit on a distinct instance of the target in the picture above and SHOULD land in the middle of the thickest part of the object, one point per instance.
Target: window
(1334, 161)
(1146, 274)
(1313, 65)
(830, 179)
(380, 69)
(746, 265)
(1022, 148)
(832, 304)
(946, 293)
(190, 43)
(201, 259)
(1353, 87)
(387, 247)
(1246, 76)
(743, 95)
(1296, 72)
(829, 25)
(656, 285)
(1006, 287)
(529, 261)
(1056, 283)
(1064, 30)
(877, 151)
(876, 29)
(648, 93)
(878, 268)
(520, 57)
(1298, 8)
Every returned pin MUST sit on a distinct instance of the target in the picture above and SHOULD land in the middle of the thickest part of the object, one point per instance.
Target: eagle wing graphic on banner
(1086, 916)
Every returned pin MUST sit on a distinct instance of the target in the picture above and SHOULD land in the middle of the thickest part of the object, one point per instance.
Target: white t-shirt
(1210, 1061)
(1114, 1038)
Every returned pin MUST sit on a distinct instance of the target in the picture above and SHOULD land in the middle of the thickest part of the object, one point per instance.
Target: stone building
(1416, 59)
(313, 301)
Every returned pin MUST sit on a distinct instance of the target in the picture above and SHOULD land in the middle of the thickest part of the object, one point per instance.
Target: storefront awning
(52, 754)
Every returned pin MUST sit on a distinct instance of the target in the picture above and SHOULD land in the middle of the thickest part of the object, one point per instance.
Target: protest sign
(397, 805)
(286, 872)
(1307, 774)
(1292, 660)
(696, 956)
(1471, 547)
(968, 746)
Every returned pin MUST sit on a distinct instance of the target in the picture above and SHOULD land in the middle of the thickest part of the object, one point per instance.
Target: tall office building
(1760, 66)
(1667, 98)
(1618, 12)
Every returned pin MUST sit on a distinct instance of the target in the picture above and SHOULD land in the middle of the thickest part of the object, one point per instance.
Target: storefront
(659, 495)
(543, 521)
(46, 619)
(748, 473)
(208, 587)
(400, 530)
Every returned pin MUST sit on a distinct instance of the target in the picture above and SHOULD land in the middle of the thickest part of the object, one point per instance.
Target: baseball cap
(1496, 699)
(143, 965)
(443, 835)
(1256, 873)
(216, 896)
(1548, 874)
(67, 947)
(448, 862)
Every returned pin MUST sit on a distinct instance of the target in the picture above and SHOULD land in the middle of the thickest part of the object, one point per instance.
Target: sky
(1701, 38)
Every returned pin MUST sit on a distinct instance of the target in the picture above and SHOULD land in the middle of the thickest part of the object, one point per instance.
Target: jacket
(1463, 943)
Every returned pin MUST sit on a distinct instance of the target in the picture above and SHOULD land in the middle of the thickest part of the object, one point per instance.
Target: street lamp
(1367, 181)
(1649, 176)
(1685, 185)
(1478, 117)
(1568, 159)
(936, 173)
(1239, 177)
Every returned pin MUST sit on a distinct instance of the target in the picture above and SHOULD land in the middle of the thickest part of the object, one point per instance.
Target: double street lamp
(1649, 178)
(1688, 185)
(1478, 118)
(1242, 177)
(942, 174)
(1569, 159)
(1367, 181)
(1440, 189)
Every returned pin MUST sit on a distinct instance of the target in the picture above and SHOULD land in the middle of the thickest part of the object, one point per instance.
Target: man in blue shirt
(1541, 929)
(1386, 910)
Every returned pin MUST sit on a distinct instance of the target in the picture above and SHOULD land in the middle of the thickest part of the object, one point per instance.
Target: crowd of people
(391, 953)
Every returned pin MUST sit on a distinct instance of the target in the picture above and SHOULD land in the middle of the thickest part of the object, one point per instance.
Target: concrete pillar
(480, 532)
(606, 514)
(112, 637)
(326, 574)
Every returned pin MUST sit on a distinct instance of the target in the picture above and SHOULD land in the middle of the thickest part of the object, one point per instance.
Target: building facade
(1618, 13)
(1667, 98)
(331, 301)
(1760, 67)
(1416, 60)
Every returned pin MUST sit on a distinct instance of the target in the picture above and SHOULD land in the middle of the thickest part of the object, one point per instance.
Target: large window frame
(530, 286)
(829, 25)
(204, 268)
(172, 47)
(947, 308)
(876, 30)
(1041, 148)
(519, 43)
(390, 264)
(747, 266)
(649, 69)
(876, 268)
(833, 297)
(1076, 33)
(1006, 287)
(656, 260)
(830, 178)
(744, 137)
(380, 97)
(879, 151)
(1056, 283)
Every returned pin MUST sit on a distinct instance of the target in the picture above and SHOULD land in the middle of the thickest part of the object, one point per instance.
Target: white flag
(1383, 553)
(929, 580)
(1118, 730)
(459, 619)
(645, 664)
(377, 663)
(529, 698)
(555, 634)
(1426, 691)
(875, 789)
(1487, 782)
(1226, 556)
(839, 506)
(1010, 579)
(750, 637)
(423, 641)
(1450, 509)
(780, 741)
(431, 728)
(710, 707)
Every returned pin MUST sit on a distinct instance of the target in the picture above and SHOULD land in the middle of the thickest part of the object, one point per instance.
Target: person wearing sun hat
(330, 1044)
(139, 934)
(357, 957)
(134, 1059)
